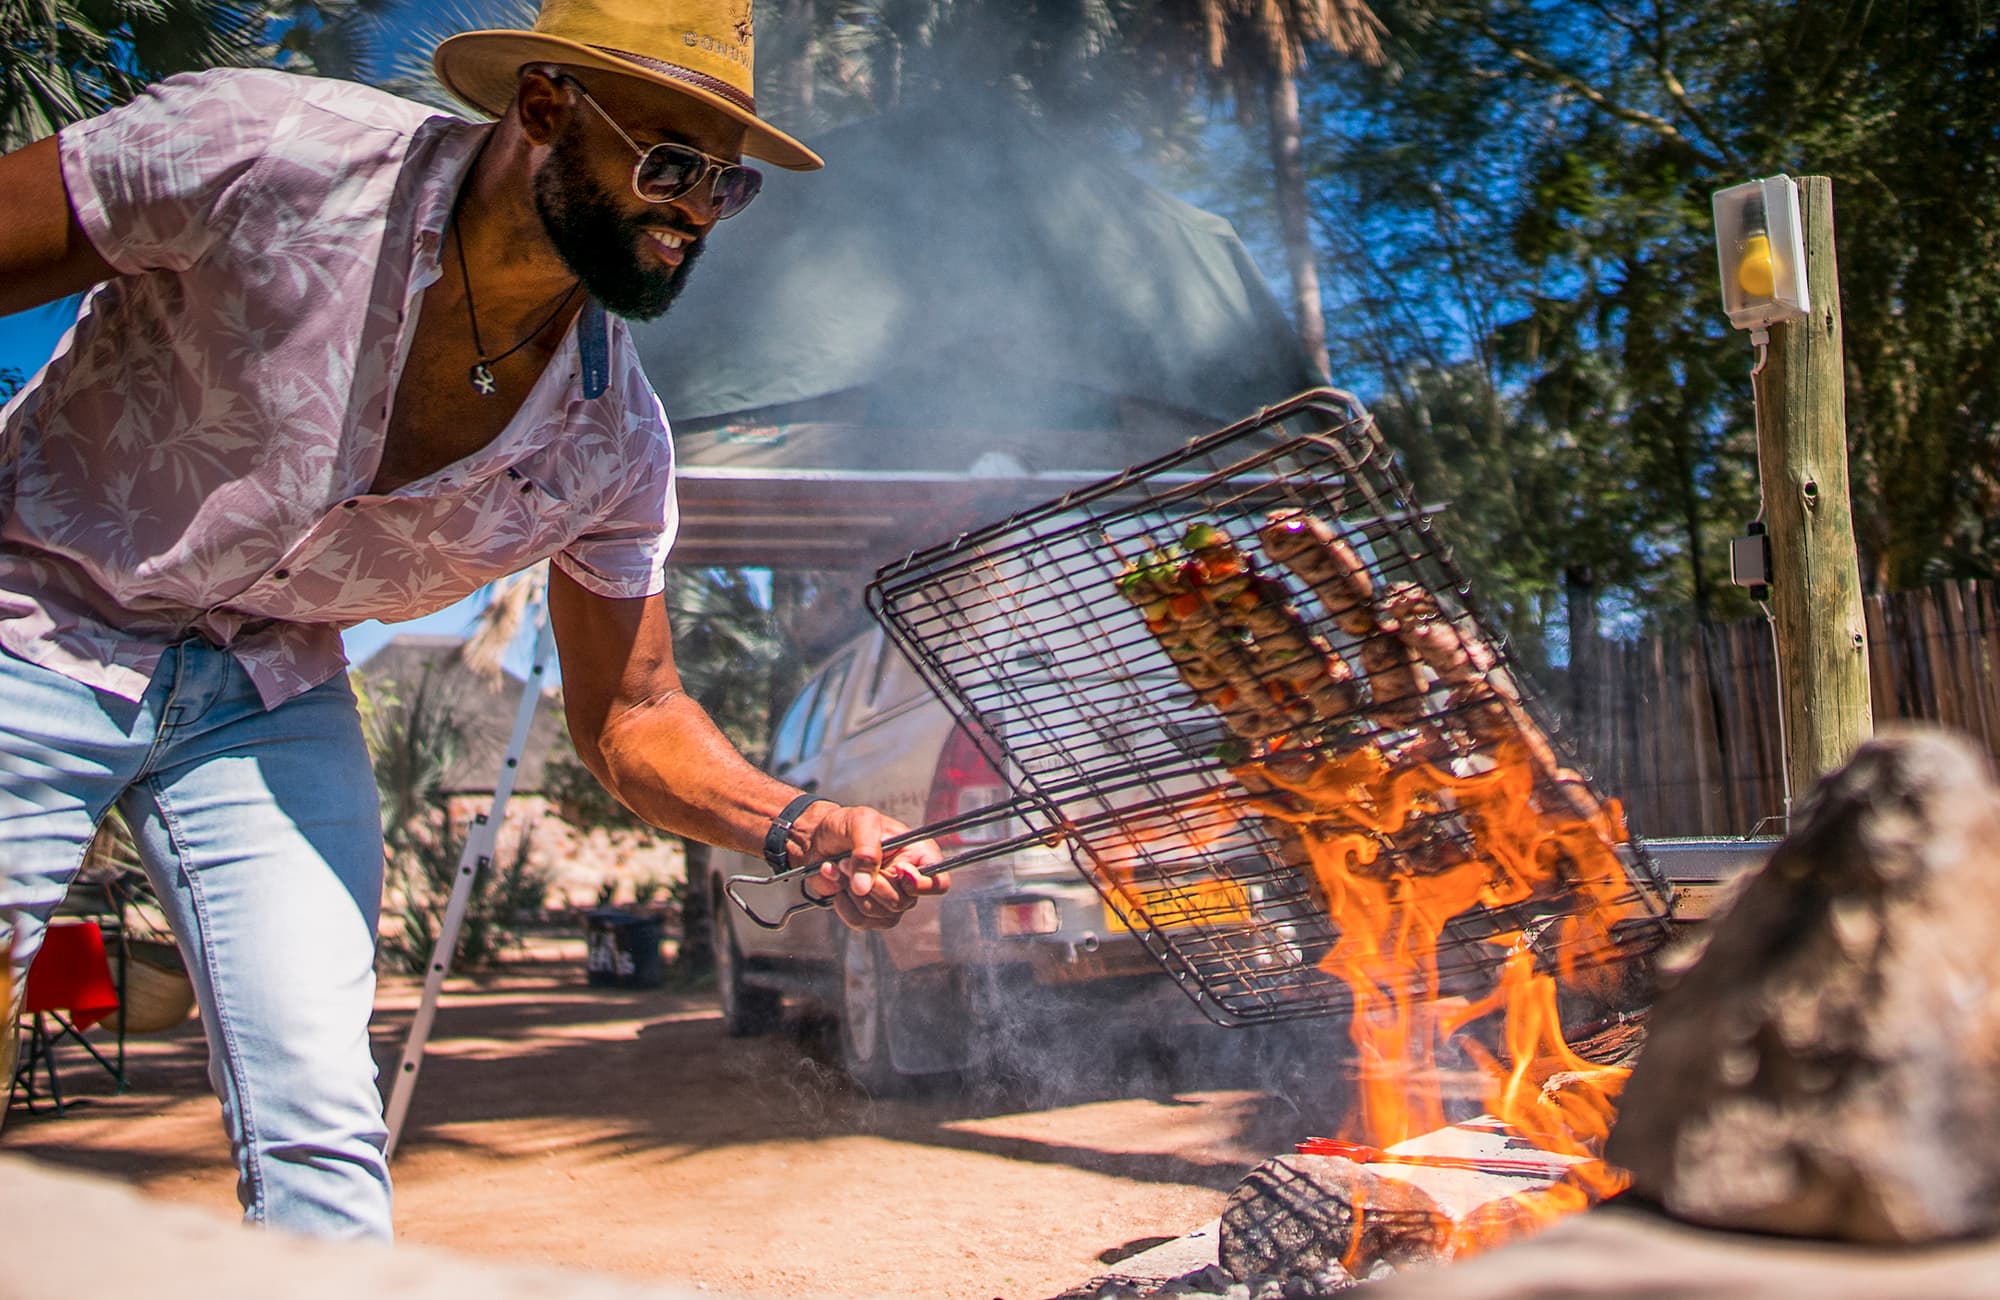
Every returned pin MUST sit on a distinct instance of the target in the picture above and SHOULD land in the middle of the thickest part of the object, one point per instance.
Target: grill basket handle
(792, 883)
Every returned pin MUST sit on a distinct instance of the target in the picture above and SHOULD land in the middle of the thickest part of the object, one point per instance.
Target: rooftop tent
(959, 293)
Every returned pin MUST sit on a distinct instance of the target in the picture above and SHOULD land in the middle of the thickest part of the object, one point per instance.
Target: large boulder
(1826, 1061)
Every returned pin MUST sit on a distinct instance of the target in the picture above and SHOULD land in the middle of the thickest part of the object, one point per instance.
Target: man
(346, 358)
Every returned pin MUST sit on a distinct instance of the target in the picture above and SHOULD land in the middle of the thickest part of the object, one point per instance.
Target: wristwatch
(777, 840)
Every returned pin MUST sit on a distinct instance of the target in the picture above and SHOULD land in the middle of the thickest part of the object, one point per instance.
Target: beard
(599, 244)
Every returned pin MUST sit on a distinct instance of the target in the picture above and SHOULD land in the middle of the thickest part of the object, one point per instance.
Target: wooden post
(1815, 574)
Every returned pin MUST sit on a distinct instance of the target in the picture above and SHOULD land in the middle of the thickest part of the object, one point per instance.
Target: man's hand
(868, 892)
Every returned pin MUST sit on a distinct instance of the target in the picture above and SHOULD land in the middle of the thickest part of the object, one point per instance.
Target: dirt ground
(624, 1131)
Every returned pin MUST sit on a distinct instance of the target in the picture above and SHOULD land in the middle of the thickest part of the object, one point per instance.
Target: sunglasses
(666, 172)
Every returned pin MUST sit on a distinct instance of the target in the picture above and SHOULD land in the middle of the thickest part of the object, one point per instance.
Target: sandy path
(624, 1131)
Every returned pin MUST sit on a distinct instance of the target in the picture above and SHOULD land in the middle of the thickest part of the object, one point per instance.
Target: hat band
(701, 80)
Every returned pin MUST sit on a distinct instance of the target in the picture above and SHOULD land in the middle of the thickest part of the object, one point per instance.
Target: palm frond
(506, 613)
(408, 63)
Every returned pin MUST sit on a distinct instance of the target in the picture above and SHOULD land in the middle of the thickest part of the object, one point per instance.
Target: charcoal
(1823, 1063)
(1297, 1215)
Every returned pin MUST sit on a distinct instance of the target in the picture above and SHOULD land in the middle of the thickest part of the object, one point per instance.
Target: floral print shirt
(196, 458)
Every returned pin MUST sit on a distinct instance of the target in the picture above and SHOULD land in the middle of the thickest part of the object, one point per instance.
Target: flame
(1424, 817)
(1523, 845)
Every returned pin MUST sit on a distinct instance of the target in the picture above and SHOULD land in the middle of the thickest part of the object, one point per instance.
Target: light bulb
(1756, 272)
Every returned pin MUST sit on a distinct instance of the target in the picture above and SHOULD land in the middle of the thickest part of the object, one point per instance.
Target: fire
(1405, 814)
(1390, 925)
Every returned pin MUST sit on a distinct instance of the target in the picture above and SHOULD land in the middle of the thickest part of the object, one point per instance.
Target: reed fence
(1685, 727)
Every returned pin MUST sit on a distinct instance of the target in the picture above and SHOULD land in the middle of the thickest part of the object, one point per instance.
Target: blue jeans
(261, 831)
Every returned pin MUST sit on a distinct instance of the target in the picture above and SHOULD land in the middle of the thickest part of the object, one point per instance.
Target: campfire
(1244, 684)
(1341, 765)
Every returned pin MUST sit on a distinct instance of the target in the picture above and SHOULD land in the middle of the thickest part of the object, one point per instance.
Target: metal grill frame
(1021, 628)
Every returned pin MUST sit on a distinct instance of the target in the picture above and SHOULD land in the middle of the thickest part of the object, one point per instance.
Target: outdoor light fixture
(1760, 242)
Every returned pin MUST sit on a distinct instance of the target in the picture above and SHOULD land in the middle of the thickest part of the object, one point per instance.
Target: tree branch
(1549, 72)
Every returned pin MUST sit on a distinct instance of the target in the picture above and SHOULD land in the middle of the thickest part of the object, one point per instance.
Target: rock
(1618, 1252)
(1824, 1062)
(76, 1234)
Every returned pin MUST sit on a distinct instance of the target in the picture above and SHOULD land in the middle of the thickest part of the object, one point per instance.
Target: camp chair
(69, 987)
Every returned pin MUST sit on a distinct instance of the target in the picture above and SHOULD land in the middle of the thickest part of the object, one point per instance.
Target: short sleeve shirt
(196, 458)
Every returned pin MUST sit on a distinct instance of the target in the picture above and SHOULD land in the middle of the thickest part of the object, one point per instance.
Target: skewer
(1363, 1154)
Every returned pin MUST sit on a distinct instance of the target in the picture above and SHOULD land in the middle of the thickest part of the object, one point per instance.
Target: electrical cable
(1761, 340)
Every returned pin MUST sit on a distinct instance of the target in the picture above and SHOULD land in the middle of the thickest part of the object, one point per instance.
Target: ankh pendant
(483, 381)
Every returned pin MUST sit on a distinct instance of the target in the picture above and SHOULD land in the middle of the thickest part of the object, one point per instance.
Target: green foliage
(64, 60)
(1523, 257)
(506, 893)
(732, 647)
(333, 38)
(413, 743)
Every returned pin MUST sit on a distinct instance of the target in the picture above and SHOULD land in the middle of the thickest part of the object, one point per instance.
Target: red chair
(70, 985)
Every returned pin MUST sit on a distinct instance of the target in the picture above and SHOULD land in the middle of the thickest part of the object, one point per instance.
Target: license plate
(1208, 902)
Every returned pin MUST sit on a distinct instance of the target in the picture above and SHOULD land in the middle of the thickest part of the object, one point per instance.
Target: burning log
(1823, 1064)
(1425, 1201)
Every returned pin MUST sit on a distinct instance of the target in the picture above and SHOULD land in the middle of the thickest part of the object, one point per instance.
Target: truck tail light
(965, 782)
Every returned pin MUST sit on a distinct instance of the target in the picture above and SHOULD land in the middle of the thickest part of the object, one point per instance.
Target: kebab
(1407, 645)
(1235, 640)
(1481, 695)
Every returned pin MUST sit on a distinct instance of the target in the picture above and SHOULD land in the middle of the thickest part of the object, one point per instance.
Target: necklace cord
(465, 279)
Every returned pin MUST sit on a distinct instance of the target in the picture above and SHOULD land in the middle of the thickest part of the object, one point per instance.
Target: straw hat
(696, 48)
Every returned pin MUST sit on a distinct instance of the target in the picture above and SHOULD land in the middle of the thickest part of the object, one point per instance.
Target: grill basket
(1139, 684)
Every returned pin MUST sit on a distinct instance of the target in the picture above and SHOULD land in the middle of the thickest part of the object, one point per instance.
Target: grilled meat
(1235, 640)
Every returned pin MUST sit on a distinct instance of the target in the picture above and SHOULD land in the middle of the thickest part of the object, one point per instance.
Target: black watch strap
(777, 846)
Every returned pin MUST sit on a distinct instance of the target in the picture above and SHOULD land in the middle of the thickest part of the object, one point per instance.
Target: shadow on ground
(535, 1045)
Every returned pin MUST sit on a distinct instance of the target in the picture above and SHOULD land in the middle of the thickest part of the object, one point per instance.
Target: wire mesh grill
(1244, 684)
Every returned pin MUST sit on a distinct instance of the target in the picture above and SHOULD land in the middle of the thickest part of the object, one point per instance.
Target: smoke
(961, 281)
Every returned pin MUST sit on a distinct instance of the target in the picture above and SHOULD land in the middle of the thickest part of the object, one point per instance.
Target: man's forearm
(666, 761)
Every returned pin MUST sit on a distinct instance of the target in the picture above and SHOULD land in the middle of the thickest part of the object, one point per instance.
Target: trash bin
(622, 949)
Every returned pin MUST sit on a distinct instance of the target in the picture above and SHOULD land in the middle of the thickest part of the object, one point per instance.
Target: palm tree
(1252, 52)
(65, 60)
(406, 69)
(333, 38)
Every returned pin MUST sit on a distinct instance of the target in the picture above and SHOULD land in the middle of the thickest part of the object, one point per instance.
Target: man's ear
(542, 103)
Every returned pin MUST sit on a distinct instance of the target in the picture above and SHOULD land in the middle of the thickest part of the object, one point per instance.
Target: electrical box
(1760, 244)
(1750, 560)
